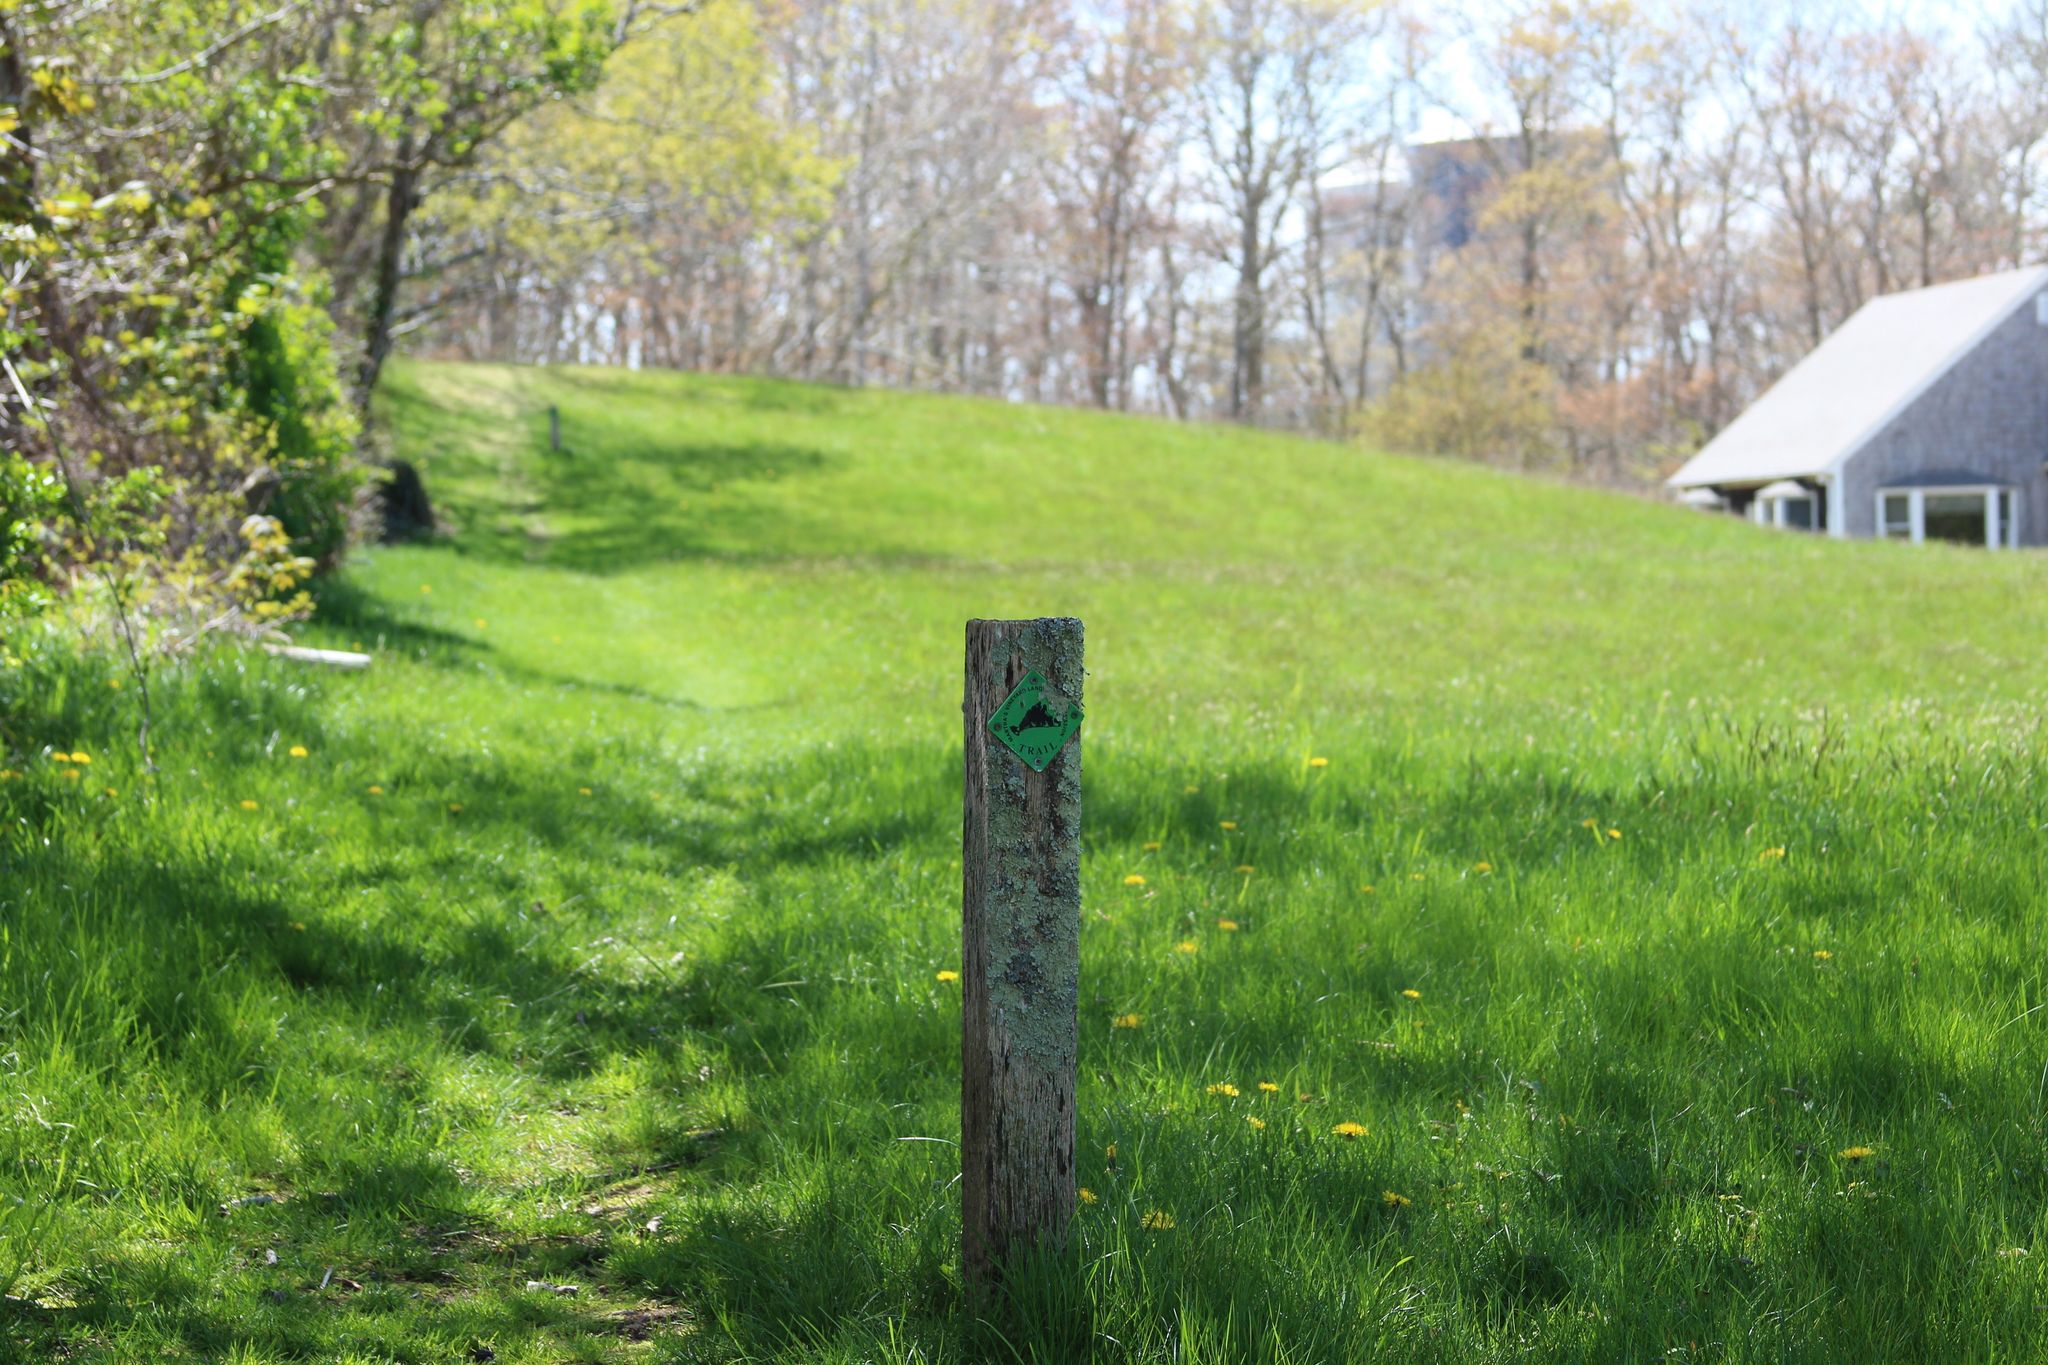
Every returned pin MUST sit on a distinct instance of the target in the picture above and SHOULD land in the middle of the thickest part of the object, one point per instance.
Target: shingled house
(1923, 417)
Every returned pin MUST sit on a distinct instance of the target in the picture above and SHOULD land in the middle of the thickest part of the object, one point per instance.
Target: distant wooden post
(554, 429)
(1020, 939)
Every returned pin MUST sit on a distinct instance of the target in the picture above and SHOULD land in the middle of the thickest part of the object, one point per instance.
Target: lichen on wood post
(1020, 956)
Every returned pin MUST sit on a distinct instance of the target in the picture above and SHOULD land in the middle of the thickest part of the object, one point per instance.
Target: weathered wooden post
(1020, 939)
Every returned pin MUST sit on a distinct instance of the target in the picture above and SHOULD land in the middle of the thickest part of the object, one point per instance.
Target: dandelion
(1368, 888)
(1134, 880)
(114, 683)
(481, 623)
(583, 791)
(112, 792)
(1258, 1124)
(1304, 1098)
(1225, 1089)
(1590, 823)
(1158, 1221)
(1411, 994)
(1193, 790)
(1109, 1152)
(60, 758)
(1482, 867)
(71, 773)
(1349, 1129)
(1769, 854)
(1228, 926)
(80, 756)
(1153, 845)
(1187, 945)
(298, 751)
(1856, 1153)
(298, 926)
(1126, 1021)
(1245, 869)
(248, 805)
(1319, 763)
(426, 589)
(1268, 1088)
(455, 808)
(8, 774)
(1228, 824)
(1821, 955)
(1414, 876)
(1087, 1196)
(375, 790)
(949, 976)
(1395, 1201)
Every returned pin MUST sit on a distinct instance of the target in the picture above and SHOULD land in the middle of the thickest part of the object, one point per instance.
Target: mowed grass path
(1616, 870)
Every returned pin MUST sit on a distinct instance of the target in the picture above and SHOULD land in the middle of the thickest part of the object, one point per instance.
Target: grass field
(1663, 898)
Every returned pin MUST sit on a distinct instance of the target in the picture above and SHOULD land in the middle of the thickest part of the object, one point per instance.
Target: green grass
(655, 1012)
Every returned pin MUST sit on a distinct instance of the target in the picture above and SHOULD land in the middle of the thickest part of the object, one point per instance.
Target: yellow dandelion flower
(80, 756)
(1245, 869)
(60, 758)
(1349, 1129)
(1856, 1153)
(1193, 790)
(1187, 945)
(248, 805)
(297, 751)
(1126, 1021)
(1228, 926)
(455, 808)
(1395, 1201)
(1258, 1124)
(114, 683)
(1769, 854)
(1482, 867)
(1614, 834)
(1158, 1221)
(298, 926)
(1086, 1195)
(1110, 1152)
(426, 588)
(375, 790)
(1411, 994)
(583, 791)
(1822, 954)
(1268, 1088)
(1590, 823)
(949, 976)
(1134, 880)
(1153, 846)
(112, 792)
(1225, 1089)
(1228, 824)
(1319, 763)
(1368, 888)
(71, 773)
(1414, 876)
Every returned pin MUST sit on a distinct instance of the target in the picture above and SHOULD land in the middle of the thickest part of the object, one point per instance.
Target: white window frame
(1997, 535)
(1771, 512)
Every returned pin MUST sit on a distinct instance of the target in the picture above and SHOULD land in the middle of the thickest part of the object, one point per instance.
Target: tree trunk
(1020, 956)
(399, 202)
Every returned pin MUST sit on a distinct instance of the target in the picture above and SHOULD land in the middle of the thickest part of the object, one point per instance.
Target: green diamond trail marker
(1034, 723)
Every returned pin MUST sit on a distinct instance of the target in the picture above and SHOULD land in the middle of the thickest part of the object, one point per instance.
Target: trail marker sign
(1020, 939)
(1034, 722)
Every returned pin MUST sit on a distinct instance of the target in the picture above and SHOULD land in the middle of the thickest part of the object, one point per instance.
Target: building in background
(1924, 416)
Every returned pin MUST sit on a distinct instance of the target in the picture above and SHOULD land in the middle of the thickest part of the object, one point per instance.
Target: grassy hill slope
(1624, 873)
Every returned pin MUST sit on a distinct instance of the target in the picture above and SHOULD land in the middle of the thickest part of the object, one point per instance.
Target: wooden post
(1020, 954)
(554, 429)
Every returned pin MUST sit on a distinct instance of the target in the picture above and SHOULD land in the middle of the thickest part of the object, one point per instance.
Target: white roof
(1852, 384)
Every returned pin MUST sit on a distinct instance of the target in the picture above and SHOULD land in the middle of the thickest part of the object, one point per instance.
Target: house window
(1895, 516)
(1961, 513)
(1787, 504)
(1960, 517)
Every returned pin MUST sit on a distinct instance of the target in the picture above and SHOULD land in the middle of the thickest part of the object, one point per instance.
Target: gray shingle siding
(1989, 413)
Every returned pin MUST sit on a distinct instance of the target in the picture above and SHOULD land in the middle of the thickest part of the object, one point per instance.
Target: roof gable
(1867, 371)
